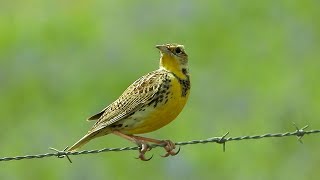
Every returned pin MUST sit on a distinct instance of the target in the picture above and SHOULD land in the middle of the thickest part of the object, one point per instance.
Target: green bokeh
(255, 69)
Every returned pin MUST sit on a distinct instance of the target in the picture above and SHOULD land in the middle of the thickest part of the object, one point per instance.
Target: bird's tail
(84, 140)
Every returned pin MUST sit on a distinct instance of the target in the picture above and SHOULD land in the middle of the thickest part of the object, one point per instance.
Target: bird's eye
(177, 50)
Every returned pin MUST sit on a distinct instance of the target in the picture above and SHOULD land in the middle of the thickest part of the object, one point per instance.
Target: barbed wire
(299, 132)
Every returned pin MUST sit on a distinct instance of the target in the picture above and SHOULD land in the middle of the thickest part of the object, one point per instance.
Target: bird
(148, 104)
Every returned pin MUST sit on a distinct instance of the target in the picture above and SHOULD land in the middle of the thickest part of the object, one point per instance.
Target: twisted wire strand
(220, 140)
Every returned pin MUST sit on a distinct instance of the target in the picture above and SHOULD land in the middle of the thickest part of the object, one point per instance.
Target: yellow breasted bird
(151, 102)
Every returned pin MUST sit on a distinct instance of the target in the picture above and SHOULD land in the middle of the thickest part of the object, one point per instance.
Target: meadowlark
(151, 102)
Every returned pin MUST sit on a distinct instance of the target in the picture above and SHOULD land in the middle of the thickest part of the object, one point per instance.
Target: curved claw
(172, 153)
(143, 158)
(144, 147)
(175, 153)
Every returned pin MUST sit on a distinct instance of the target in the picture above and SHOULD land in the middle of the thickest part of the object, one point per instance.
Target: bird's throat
(173, 65)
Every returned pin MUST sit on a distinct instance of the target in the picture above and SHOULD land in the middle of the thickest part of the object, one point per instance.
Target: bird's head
(174, 59)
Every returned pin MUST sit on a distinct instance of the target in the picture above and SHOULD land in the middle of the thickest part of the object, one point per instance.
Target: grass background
(254, 67)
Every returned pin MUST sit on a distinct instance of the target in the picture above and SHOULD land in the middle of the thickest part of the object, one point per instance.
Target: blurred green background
(254, 64)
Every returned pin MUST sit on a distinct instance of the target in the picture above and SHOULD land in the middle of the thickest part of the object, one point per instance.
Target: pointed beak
(162, 48)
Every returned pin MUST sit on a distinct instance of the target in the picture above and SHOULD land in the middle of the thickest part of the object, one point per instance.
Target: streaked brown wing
(134, 97)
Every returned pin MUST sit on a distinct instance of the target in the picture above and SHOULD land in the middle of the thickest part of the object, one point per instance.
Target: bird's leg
(144, 147)
(169, 146)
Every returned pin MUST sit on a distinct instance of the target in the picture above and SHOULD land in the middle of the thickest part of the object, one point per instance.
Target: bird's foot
(169, 147)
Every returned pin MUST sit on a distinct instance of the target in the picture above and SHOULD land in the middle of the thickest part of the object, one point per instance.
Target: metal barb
(222, 140)
(300, 132)
(62, 154)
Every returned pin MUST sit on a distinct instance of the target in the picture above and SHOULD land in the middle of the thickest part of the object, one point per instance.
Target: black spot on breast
(153, 101)
(185, 83)
(155, 104)
(184, 71)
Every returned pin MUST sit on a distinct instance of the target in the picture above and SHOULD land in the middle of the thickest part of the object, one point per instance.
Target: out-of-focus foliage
(255, 69)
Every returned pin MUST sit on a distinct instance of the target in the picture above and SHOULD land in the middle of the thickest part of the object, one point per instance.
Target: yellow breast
(156, 116)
